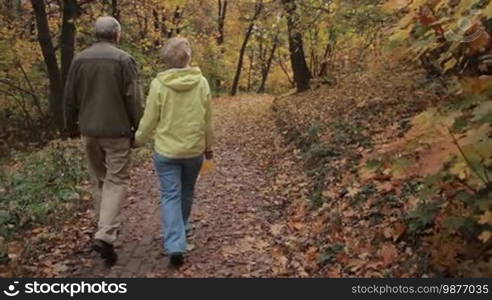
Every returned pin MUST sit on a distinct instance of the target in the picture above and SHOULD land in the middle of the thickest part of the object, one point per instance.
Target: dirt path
(231, 234)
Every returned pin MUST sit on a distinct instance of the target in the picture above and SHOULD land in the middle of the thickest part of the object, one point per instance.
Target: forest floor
(328, 183)
(234, 230)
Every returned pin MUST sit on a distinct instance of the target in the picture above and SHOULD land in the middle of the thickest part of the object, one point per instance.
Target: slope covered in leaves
(390, 192)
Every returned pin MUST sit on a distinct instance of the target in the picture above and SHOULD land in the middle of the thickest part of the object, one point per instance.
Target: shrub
(40, 187)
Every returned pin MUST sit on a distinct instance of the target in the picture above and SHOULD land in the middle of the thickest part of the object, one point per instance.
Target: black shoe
(176, 260)
(106, 251)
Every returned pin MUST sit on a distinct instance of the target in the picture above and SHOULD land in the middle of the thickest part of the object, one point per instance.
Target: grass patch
(41, 187)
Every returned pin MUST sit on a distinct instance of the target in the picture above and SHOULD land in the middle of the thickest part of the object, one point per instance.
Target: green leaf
(374, 164)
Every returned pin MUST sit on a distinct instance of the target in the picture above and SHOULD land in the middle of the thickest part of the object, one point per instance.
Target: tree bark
(302, 75)
(266, 69)
(221, 21)
(67, 39)
(250, 70)
(222, 12)
(235, 84)
(286, 72)
(49, 55)
(115, 11)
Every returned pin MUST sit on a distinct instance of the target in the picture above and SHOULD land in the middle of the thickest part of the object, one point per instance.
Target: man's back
(102, 92)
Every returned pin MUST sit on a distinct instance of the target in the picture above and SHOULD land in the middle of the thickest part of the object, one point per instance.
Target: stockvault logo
(12, 291)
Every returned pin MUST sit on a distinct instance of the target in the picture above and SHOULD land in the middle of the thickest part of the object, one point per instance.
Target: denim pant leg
(189, 176)
(169, 172)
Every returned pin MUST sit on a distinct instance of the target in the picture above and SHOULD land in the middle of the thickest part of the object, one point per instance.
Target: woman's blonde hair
(177, 52)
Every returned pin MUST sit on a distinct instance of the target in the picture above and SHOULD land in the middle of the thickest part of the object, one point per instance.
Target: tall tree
(221, 21)
(222, 12)
(266, 66)
(302, 75)
(57, 76)
(115, 10)
(49, 55)
(256, 14)
(67, 38)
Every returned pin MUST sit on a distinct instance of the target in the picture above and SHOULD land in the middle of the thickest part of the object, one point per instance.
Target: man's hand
(209, 155)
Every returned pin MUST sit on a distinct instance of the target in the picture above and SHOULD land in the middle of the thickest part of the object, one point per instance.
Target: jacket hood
(180, 80)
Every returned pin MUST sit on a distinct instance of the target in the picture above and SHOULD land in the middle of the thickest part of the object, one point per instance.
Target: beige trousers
(108, 162)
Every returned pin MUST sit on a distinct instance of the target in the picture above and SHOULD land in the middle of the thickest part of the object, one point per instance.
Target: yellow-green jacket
(178, 114)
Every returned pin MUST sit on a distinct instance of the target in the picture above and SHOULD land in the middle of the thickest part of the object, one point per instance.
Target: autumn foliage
(373, 159)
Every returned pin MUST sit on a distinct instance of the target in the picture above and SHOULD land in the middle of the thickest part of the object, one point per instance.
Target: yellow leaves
(485, 236)
(391, 6)
(276, 229)
(353, 190)
(461, 170)
(486, 218)
(477, 150)
(450, 64)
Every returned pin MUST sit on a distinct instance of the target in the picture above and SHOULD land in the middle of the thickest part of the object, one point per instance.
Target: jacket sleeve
(70, 101)
(133, 92)
(151, 115)
(209, 123)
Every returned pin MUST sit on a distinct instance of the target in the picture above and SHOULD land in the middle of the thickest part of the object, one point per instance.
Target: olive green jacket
(102, 92)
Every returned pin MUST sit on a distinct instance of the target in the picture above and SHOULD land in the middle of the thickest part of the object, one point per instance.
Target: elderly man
(103, 94)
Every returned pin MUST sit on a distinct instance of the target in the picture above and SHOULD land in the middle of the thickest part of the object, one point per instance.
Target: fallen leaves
(486, 218)
(389, 254)
(485, 236)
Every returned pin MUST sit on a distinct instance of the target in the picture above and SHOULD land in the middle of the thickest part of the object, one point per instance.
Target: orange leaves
(476, 85)
(480, 39)
(389, 254)
(428, 19)
(395, 232)
(207, 167)
(444, 252)
(485, 236)
(486, 218)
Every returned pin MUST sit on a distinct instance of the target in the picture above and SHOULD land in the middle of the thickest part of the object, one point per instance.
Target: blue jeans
(177, 180)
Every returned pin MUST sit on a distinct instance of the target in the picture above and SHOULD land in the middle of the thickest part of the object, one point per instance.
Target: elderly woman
(178, 109)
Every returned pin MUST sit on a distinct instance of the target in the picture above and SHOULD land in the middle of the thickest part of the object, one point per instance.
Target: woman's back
(184, 102)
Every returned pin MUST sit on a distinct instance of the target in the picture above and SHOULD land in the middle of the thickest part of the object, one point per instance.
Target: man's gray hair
(177, 52)
(107, 28)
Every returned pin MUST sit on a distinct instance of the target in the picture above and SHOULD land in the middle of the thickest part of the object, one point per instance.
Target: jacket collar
(105, 42)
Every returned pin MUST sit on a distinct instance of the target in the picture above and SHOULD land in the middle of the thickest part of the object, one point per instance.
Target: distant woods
(241, 46)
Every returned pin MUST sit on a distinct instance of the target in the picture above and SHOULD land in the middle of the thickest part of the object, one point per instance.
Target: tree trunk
(286, 72)
(222, 12)
(221, 21)
(115, 11)
(324, 64)
(67, 39)
(327, 54)
(266, 69)
(235, 84)
(46, 44)
(302, 75)
(251, 67)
